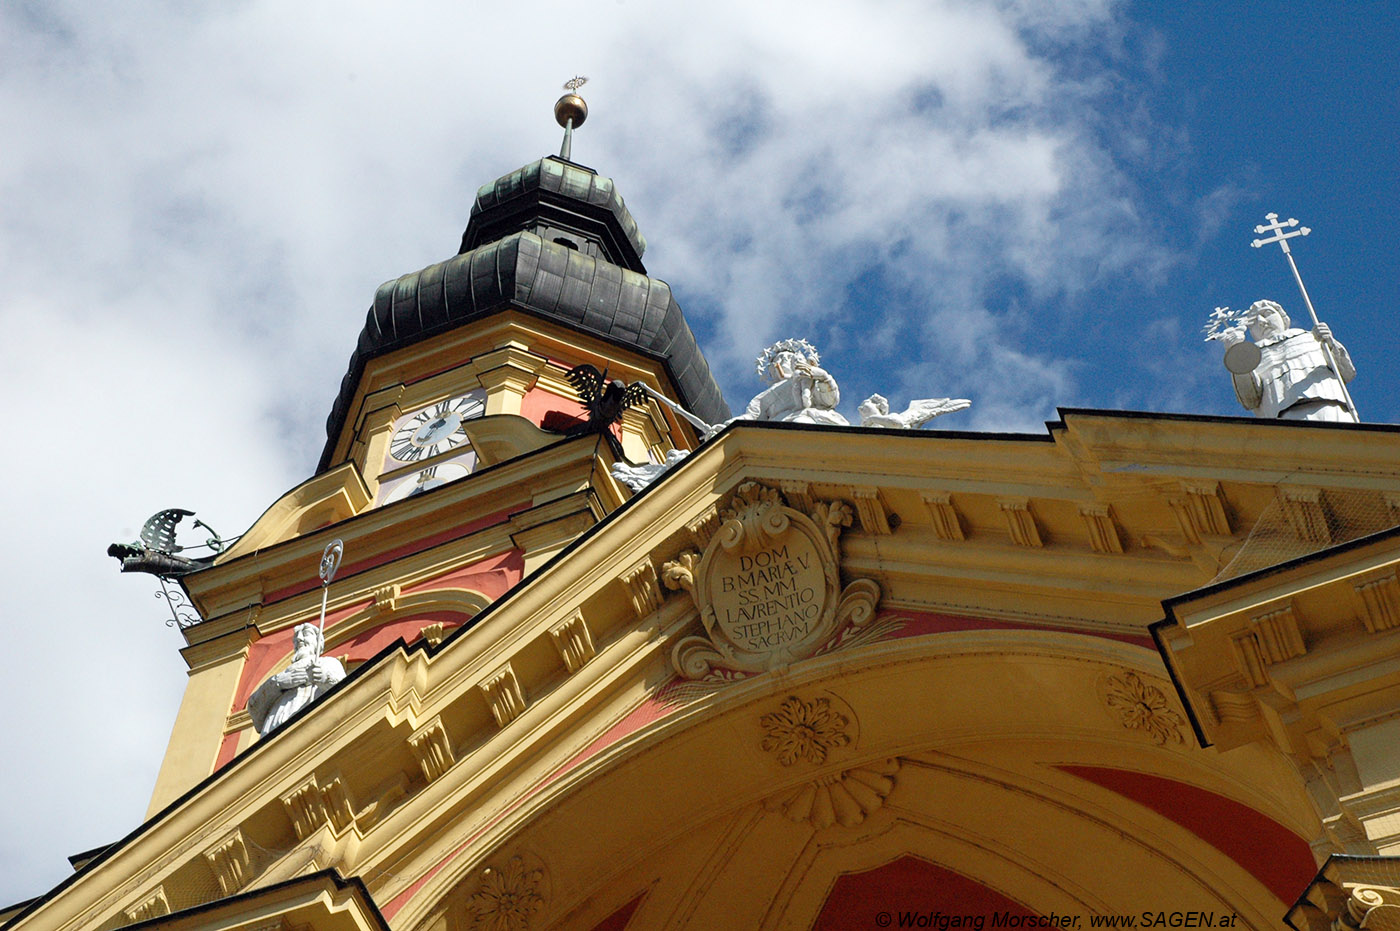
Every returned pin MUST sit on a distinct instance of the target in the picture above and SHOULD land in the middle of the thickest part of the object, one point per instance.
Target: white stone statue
(1292, 379)
(801, 391)
(640, 476)
(875, 412)
(307, 677)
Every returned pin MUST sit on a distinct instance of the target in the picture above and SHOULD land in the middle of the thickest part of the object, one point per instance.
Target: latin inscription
(769, 598)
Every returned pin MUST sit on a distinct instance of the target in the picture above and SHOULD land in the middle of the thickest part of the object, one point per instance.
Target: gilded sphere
(570, 107)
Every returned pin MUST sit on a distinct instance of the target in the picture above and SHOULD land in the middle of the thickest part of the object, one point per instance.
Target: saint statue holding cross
(307, 677)
(1293, 377)
(1286, 373)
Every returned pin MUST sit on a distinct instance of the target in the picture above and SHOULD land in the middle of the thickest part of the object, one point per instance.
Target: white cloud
(112, 422)
(200, 202)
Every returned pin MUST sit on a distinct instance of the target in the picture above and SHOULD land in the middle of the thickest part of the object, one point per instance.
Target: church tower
(460, 370)
(808, 676)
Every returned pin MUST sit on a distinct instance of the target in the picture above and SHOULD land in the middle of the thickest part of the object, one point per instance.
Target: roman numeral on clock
(435, 429)
(406, 452)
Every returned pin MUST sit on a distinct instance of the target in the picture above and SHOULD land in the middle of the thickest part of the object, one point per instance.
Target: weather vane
(570, 111)
(330, 561)
(157, 553)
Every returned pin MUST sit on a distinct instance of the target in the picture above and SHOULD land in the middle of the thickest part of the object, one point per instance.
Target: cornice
(1349, 893)
(1315, 641)
(1303, 659)
(511, 343)
(372, 535)
(1236, 448)
(323, 900)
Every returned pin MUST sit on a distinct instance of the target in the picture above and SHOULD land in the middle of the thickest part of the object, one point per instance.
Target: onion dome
(555, 240)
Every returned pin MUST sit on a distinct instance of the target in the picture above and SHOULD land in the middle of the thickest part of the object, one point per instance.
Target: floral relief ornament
(507, 897)
(1142, 706)
(801, 730)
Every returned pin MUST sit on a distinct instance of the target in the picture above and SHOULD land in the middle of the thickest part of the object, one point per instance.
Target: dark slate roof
(545, 278)
(566, 179)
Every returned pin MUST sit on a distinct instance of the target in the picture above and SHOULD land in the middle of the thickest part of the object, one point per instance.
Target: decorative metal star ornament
(799, 347)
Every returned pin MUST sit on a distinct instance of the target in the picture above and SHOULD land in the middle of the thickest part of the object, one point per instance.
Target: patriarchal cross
(1276, 227)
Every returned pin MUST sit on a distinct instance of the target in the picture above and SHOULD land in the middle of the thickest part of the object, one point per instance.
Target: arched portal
(1011, 761)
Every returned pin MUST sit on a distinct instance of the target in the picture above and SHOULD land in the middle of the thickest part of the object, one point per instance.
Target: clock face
(435, 429)
(428, 479)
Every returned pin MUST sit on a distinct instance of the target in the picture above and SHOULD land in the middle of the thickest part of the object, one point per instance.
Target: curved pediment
(498, 437)
(334, 495)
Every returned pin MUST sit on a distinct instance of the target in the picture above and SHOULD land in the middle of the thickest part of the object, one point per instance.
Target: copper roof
(606, 293)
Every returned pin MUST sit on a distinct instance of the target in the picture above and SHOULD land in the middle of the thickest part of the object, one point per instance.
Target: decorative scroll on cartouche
(768, 585)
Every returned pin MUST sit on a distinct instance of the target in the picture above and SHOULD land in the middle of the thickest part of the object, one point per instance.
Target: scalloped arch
(365, 632)
(463, 601)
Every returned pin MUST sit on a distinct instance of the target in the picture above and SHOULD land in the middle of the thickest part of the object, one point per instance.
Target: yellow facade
(542, 728)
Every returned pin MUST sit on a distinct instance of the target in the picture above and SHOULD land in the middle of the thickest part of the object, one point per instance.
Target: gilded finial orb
(571, 105)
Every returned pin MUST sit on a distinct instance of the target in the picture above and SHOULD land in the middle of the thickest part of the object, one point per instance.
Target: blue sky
(1029, 205)
(1284, 108)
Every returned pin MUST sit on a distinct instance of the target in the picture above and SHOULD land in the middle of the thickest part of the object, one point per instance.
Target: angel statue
(800, 390)
(637, 477)
(875, 412)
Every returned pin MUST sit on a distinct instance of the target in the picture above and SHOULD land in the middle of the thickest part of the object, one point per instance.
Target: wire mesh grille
(1303, 521)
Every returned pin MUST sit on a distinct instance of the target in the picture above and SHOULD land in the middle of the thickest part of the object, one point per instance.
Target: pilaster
(507, 374)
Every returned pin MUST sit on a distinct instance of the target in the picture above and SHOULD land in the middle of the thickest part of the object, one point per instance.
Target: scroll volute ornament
(1375, 908)
(768, 586)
